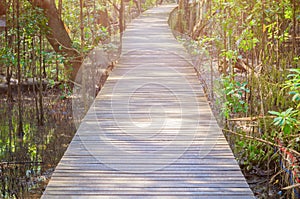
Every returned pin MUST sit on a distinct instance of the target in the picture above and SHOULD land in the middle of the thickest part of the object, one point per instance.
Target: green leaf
(288, 111)
(296, 97)
(279, 122)
(296, 70)
(274, 113)
(287, 130)
(277, 119)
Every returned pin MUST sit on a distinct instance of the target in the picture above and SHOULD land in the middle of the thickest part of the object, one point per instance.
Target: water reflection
(28, 160)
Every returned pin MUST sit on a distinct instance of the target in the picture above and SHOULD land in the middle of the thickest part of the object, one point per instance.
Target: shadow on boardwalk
(150, 132)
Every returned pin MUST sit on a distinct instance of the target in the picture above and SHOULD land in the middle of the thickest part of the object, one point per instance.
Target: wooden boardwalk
(150, 132)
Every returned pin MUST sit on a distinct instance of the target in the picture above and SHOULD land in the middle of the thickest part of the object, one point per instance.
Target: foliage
(234, 92)
(254, 42)
(34, 26)
(289, 120)
(286, 120)
(293, 85)
(94, 32)
(252, 154)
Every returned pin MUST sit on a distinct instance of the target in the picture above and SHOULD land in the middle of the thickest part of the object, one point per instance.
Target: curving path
(150, 132)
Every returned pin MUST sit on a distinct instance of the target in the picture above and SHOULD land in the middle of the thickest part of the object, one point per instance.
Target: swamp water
(28, 160)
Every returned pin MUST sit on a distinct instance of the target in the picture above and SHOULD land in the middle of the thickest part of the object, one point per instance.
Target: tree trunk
(19, 73)
(60, 7)
(180, 16)
(58, 37)
(122, 17)
(2, 8)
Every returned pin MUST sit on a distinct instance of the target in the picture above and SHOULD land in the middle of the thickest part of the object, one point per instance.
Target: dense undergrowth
(247, 55)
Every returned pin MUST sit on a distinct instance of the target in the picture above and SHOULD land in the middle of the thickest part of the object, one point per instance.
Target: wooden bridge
(150, 132)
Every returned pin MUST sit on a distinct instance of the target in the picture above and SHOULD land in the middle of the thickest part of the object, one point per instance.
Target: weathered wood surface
(150, 132)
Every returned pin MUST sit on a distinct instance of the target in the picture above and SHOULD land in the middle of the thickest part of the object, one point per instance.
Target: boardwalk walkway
(150, 132)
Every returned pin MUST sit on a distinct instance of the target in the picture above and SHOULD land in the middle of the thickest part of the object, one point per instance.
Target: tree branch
(58, 36)
(262, 141)
(114, 5)
(291, 187)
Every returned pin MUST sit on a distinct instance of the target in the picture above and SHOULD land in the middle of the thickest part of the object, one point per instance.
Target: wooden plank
(141, 184)
(79, 196)
(142, 193)
(150, 132)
